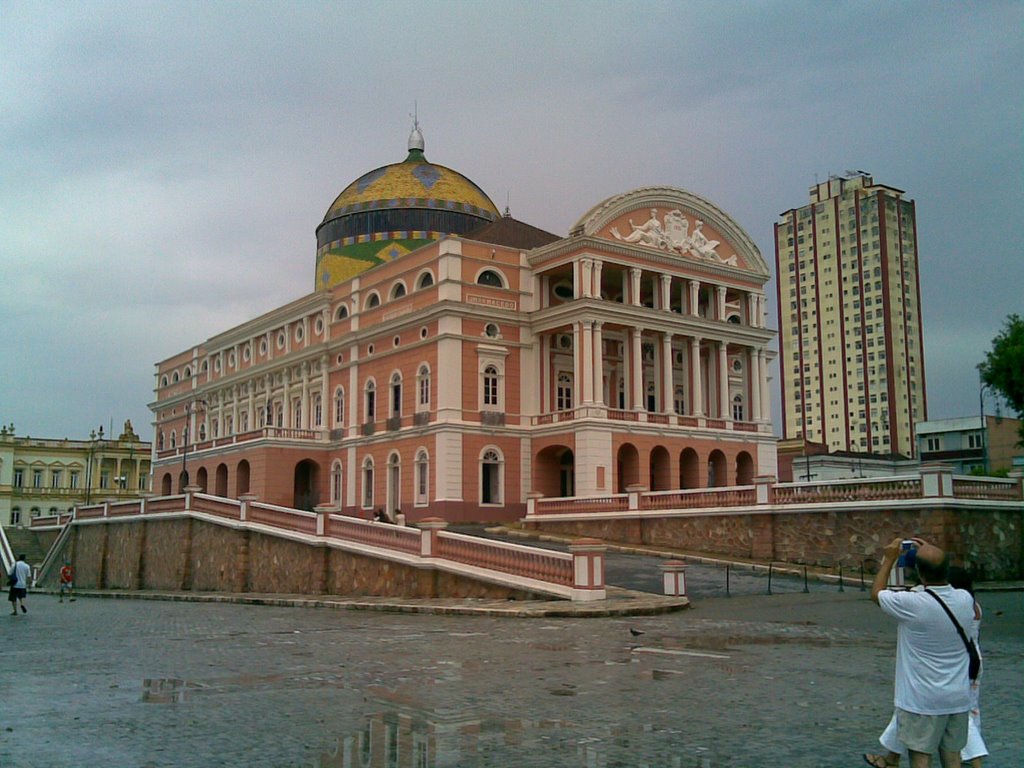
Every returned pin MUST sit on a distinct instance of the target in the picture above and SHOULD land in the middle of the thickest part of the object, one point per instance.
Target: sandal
(879, 761)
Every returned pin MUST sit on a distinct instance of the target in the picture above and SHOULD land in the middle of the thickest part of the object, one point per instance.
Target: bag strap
(959, 629)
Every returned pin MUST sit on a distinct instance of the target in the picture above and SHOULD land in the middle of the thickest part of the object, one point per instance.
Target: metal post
(863, 586)
(841, 579)
(727, 592)
(806, 589)
(769, 578)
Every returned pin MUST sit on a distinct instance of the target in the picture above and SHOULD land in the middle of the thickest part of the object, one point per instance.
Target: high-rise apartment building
(849, 298)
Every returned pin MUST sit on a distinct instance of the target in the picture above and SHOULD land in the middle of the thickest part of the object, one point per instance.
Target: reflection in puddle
(399, 735)
(167, 690)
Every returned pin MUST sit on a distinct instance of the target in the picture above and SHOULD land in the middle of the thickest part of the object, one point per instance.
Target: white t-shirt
(931, 661)
(22, 573)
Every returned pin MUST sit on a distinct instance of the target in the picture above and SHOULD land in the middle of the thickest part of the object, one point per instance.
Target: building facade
(971, 443)
(849, 307)
(456, 376)
(41, 476)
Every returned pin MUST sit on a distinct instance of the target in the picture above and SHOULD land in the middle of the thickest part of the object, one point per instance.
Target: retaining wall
(186, 553)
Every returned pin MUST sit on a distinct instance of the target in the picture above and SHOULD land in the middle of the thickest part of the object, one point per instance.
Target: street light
(94, 438)
(190, 408)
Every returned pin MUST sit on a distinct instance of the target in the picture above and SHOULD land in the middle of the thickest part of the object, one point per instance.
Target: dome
(395, 209)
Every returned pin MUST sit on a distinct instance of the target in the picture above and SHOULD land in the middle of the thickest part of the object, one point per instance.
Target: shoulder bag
(974, 668)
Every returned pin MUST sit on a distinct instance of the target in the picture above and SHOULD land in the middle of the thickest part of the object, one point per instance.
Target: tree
(1003, 368)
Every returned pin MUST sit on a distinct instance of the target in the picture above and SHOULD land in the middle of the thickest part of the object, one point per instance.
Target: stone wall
(185, 553)
(990, 543)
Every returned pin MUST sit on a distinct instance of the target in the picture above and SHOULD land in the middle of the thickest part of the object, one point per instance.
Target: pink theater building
(453, 362)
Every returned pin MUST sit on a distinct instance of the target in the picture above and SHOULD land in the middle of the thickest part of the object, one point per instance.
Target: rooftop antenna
(508, 200)
(416, 137)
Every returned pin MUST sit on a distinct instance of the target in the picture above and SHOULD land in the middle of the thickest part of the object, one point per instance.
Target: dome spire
(416, 137)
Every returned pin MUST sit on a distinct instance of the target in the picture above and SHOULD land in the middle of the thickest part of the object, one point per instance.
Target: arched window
(563, 392)
(396, 394)
(244, 418)
(229, 424)
(174, 440)
(296, 413)
(491, 390)
(215, 425)
(652, 400)
(398, 290)
(423, 387)
(426, 280)
(163, 381)
(318, 411)
(202, 431)
(262, 414)
(371, 401)
(373, 300)
(341, 312)
(279, 413)
(422, 478)
(339, 407)
(368, 483)
(160, 441)
(491, 278)
(336, 477)
(737, 408)
(188, 371)
(491, 472)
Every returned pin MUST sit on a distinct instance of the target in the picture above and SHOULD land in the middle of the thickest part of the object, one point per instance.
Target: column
(763, 383)
(545, 372)
(696, 393)
(636, 368)
(598, 342)
(586, 281)
(667, 388)
(754, 373)
(723, 383)
(251, 408)
(720, 302)
(694, 304)
(596, 288)
(634, 286)
(577, 365)
(626, 373)
(234, 409)
(588, 361)
(325, 400)
(286, 393)
(304, 397)
(666, 292)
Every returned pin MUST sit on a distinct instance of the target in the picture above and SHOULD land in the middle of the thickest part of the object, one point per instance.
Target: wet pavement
(754, 680)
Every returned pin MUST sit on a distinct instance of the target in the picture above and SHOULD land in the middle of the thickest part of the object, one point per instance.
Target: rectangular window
(73, 480)
(19, 478)
(55, 478)
(105, 480)
(37, 478)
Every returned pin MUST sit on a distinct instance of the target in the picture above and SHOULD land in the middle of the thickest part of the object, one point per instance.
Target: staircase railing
(6, 553)
(55, 550)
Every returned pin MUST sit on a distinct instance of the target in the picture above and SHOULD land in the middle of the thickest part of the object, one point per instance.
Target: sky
(163, 166)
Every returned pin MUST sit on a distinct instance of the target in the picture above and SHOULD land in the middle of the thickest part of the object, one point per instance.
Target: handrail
(6, 553)
(55, 549)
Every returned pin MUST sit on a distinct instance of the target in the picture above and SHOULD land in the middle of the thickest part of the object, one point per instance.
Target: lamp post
(984, 431)
(94, 438)
(190, 408)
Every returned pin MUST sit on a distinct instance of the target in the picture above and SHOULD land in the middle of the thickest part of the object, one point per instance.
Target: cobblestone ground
(785, 680)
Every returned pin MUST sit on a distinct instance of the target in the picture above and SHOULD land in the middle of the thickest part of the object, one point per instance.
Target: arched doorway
(182, 481)
(306, 476)
(165, 485)
(628, 467)
(201, 479)
(661, 469)
(554, 471)
(242, 478)
(222, 480)
(689, 469)
(717, 469)
(394, 496)
(744, 469)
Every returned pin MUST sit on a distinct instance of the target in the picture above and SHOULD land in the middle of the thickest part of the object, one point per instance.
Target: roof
(511, 233)
(959, 424)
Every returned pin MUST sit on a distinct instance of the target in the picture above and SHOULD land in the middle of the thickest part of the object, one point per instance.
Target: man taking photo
(932, 687)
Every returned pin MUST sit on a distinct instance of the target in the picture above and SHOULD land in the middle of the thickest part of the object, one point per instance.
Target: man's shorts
(17, 593)
(66, 585)
(927, 733)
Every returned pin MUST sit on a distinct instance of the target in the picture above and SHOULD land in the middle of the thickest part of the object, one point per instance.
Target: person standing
(20, 575)
(67, 582)
(932, 695)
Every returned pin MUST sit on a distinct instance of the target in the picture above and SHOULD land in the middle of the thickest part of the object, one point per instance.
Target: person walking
(67, 582)
(932, 688)
(20, 575)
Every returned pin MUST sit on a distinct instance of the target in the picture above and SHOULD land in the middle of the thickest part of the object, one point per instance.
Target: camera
(908, 554)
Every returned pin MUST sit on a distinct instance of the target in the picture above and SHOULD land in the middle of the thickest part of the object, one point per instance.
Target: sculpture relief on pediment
(675, 232)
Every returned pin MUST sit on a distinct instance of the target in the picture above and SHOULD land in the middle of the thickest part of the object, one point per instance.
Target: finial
(416, 137)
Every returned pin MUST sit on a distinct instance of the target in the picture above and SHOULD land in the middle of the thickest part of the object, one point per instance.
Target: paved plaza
(790, 679)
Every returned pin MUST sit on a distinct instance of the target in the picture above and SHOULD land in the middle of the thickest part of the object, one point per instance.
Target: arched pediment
(673, 221)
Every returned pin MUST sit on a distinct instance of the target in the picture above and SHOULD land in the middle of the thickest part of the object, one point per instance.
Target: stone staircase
(31, 543)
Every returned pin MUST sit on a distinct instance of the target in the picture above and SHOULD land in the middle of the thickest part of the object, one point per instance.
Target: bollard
(769, 578)
(727, 592)
(806, 589)
(863, 587)
(841, 579)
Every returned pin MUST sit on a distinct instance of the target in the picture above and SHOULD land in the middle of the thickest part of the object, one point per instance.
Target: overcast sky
(163, 166)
